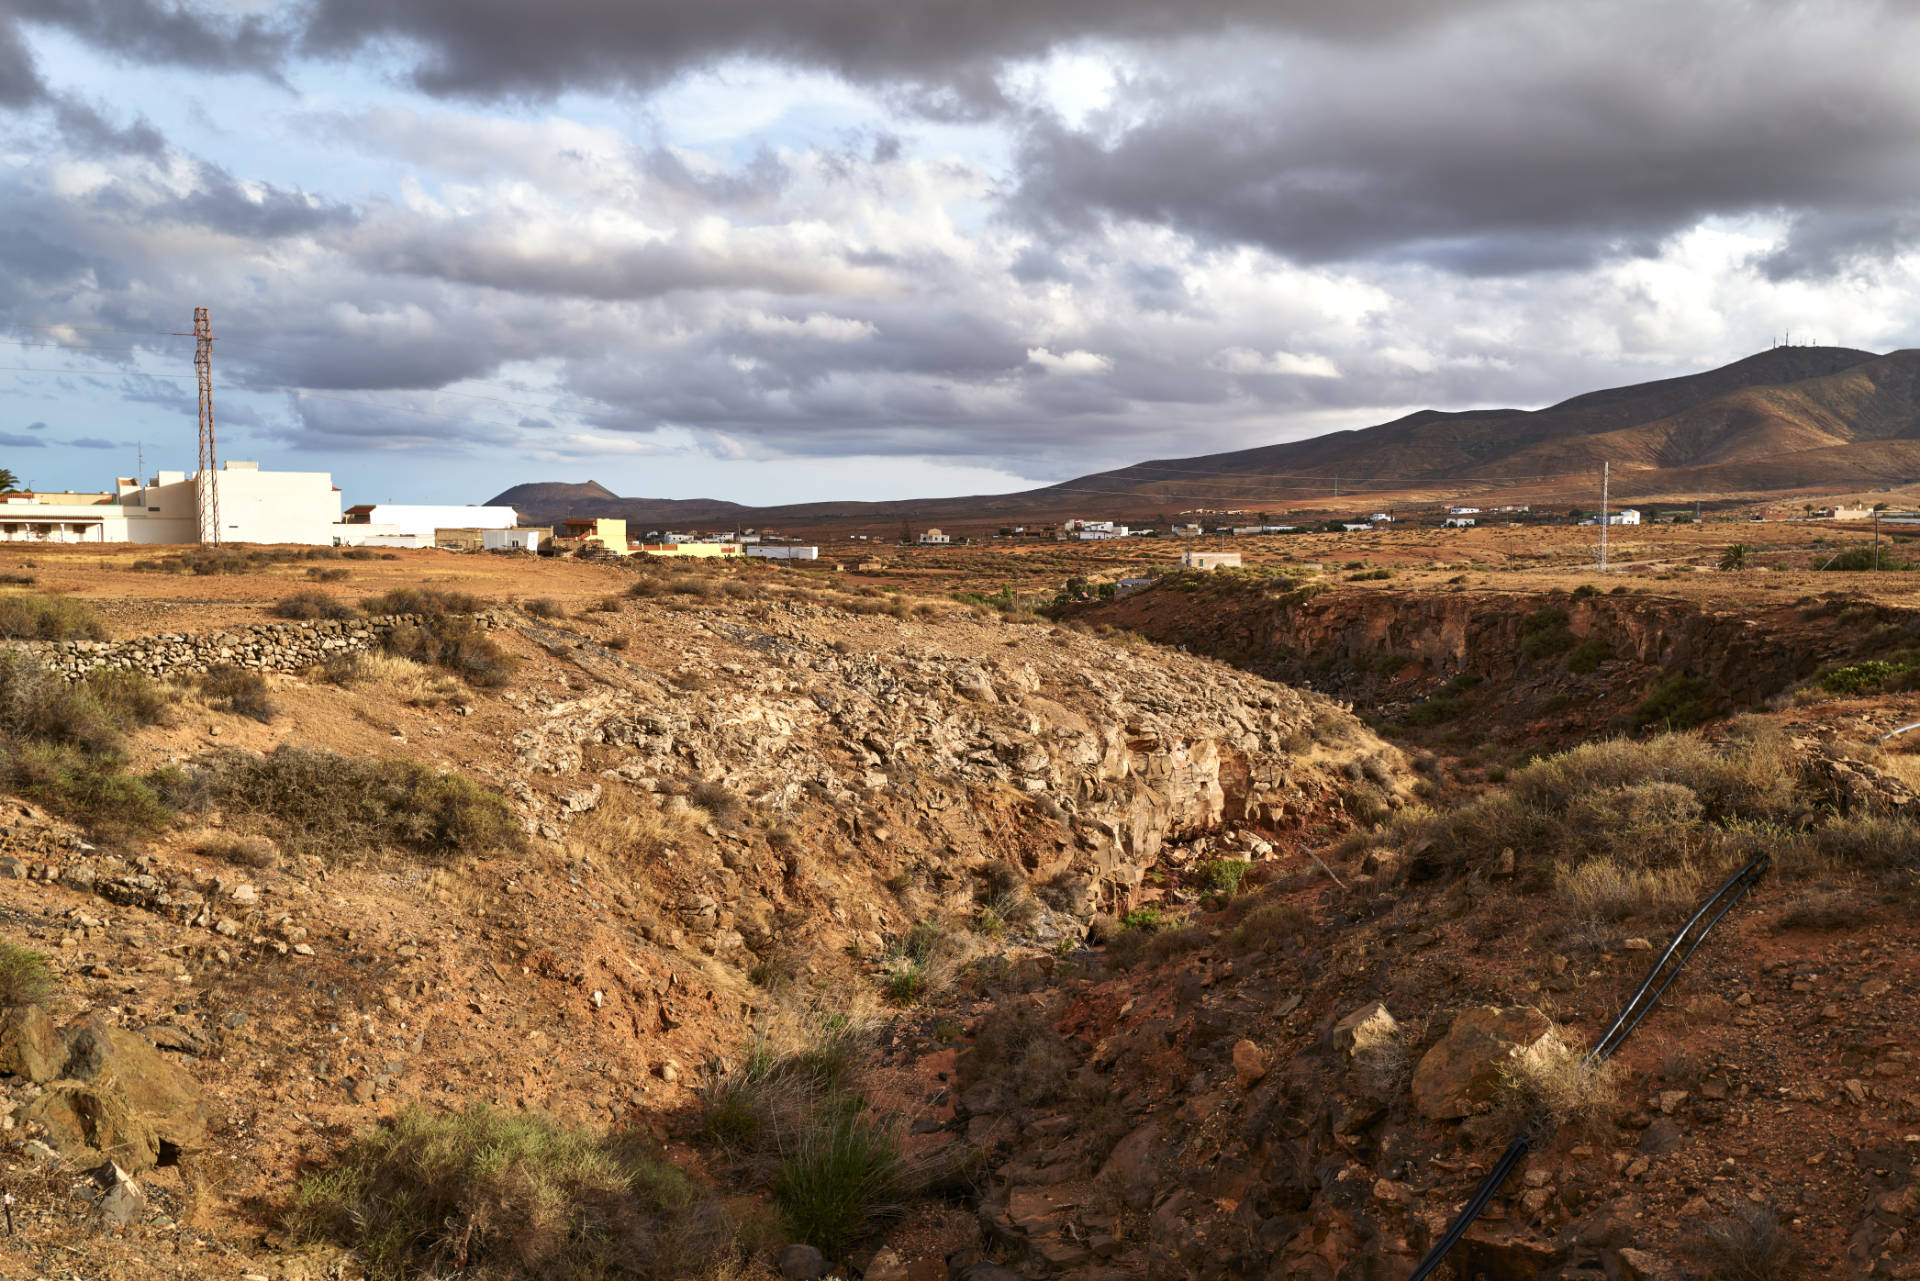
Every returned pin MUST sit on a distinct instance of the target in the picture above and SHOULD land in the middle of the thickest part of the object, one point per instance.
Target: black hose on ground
(1644, 998)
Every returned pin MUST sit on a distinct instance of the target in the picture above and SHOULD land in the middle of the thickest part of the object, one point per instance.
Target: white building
(1457, 522)
(1210, 560)
(255, 507)
(1625, 516)
(1463, 511)
(1186, 531)
(1381, 518)
(518, 539)
(421, 521)
(783, 551)
(1099, 531)
(934, 538)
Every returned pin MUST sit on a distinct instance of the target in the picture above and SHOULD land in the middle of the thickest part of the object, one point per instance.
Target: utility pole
(1876, 541)
(1605, 471)
(206, 483)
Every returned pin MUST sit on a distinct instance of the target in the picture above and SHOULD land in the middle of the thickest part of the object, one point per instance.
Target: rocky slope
(738, 807)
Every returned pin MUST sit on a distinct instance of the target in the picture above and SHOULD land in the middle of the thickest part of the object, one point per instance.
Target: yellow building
(607, 533)
(690, 549)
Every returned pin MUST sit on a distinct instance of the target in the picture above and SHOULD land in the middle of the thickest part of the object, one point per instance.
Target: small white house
(1210, 560)
(517, 539)
(1381, 518)
(1463, 511)
(934, 538)
(782, 551)
(1457, 522)
(1102, 531)
(1186, 531)
(1625, 516)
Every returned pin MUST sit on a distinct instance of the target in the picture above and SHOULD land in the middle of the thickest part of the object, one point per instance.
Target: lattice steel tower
(206, 489)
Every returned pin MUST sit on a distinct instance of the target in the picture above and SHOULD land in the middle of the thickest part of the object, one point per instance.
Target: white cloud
(1069, 362)
(1245, 360)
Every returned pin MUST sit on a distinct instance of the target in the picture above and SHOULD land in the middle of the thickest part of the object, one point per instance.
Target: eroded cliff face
(1388, 650)
(901, 748)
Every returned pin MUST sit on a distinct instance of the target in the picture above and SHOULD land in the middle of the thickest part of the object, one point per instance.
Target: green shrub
(839, 1178)
(1222, 876)
(25, 976)
(1677, 702)
(38, 616)
(93, 790)
(130, 698)
(1588, 656)
(491, 1193)
(1370, 575)
(239, 690)
(1141, 918)
(311, 605)
(1856, 559)
(341, 808)
(1900, 671)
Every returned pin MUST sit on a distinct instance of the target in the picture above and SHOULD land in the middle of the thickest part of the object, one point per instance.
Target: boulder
(117, 1099)
(30, 1045)
(802, 1263)
(1461, 1073)
(1366, 1027)
(1249, 1064)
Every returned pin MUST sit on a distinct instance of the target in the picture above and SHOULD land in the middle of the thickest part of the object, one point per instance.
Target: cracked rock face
(806, 710)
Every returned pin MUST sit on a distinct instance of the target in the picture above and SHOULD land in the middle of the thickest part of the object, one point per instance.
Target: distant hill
(548, 502)
(1789, 419)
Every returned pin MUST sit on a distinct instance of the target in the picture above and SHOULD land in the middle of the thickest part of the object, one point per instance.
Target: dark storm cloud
(1545, 139)
(93, 442)
(164, 33)
(14, 441)
(86, 130)
(20, 83)
(493, 47)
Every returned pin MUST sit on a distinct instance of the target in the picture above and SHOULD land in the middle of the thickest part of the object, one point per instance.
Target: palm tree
(9, 483)
(1736, 557)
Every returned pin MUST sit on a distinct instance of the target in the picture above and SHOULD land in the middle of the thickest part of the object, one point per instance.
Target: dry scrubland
(680, 917)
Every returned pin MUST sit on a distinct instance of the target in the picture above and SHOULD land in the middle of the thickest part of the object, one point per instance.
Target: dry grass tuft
(390, 676)
(1603, 889)
(1550, 1084)
(628, 825)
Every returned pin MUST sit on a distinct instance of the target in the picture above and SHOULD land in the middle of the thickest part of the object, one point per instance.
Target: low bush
(800, 1124)
(1550, 1084)
(60, 743)
(18, 580)
(1749, 1245)
(1895, 673)
(428, 602)
(239, 690)
(38, 616)
(320, 575)
(457, 645)
(1603, 889)
(1543, 633)
(1444, 703)
(488, 1193)
(242, 851)
(311, 606)
(543, 607)
(392, 676)
(25, 976)
(1678, 702)
(1265, 926)
(93, 790)
(1588, 655)
(1222, 876)
(717, 799)
(1857, 559)
(343, 808)
(627, 826)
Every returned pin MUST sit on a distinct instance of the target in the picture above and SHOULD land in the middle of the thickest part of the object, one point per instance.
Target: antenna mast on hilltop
(1606, 472)
(206, 485)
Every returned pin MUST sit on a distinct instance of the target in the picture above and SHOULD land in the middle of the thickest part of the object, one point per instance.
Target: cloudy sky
(772, 250)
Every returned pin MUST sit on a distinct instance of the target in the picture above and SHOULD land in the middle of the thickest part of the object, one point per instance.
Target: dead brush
(1750, 1245)
(1550, 1084)
(1604, 889)
(392, 677)
(631, 826)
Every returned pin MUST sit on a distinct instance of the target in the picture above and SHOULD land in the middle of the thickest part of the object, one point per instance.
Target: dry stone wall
(276, 647)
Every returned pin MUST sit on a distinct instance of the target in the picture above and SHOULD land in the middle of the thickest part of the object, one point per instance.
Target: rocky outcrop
(115, 1098)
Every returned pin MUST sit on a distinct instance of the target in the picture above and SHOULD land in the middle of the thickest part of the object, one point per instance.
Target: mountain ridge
(1790, 418)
